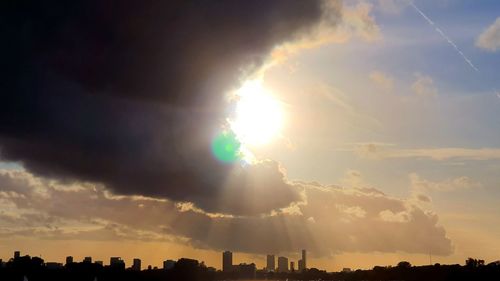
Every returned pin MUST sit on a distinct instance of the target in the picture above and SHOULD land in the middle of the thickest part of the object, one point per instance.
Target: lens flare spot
(226, 148)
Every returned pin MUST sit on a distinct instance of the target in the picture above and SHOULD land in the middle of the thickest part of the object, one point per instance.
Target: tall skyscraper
(271, 266)
(292, 266)
(17, 254)
(87, 259)
(136, 265)
(69, 260)
(227, 261)
(282, 264)
(302, 262)
(304, 259)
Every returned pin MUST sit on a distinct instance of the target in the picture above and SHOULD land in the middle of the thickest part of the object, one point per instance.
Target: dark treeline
(34, 269)
(474, 270)
(437, 272)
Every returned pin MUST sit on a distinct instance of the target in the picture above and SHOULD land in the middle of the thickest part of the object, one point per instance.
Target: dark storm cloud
(130, 93)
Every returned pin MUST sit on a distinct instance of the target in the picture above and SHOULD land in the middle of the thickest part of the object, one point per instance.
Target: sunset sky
(367, 132)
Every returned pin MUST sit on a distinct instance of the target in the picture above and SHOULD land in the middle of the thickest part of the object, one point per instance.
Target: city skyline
(136, 263)
(28, 268)
(229, 266)
(244, 270)
(326, 134)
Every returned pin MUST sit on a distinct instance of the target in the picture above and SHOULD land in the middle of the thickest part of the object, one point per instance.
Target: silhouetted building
(116, 263)
(87, 259)
(187, 266)
(271, 266)
(346, 269)
(168, 264)
(302, 262)
(136, 265)
(53, 265)
(211, 269)
(69, 260)
(282, 264)
(227, 261)
(245, 271)
(101, 263)
(17, 254)
(292, 266)
(36, 260)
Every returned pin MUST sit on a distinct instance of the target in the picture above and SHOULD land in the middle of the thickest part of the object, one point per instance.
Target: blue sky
(464, 113)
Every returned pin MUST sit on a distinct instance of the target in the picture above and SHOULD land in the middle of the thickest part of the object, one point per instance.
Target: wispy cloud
(489, 39)
(378, 151)
(424, 86)
(341, 99)
(340, 24)
(450, 184)
(382, 80)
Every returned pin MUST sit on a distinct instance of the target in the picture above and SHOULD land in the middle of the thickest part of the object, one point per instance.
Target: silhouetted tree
(404, 264)
(470, 262)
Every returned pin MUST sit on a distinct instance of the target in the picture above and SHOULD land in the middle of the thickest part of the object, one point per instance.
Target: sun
(258, 117)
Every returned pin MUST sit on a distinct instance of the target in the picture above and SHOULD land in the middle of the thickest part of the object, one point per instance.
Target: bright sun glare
(258, 116)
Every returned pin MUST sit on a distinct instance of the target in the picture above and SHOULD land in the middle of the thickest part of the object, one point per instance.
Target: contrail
(438, 30)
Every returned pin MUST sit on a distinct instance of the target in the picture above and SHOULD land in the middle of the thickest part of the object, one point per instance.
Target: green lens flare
(226, 147)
